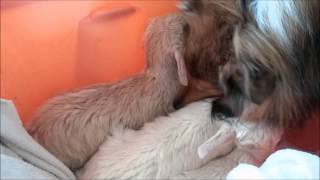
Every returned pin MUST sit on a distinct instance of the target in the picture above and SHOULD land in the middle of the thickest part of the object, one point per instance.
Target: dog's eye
(257, 73)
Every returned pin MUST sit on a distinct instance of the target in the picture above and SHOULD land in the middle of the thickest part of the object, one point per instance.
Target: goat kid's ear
(182, 70)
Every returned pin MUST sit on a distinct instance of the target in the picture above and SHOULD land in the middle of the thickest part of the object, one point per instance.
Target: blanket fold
(17, 142)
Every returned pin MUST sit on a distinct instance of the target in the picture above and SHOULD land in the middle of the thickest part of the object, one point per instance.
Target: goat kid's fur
(255, 143)
(220, 167)
(168, 146)
(73, 125)
(160, 149)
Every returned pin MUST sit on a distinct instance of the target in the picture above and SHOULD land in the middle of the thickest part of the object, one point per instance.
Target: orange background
(52, 46)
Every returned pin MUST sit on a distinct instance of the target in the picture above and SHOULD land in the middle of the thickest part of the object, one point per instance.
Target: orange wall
(52, 46)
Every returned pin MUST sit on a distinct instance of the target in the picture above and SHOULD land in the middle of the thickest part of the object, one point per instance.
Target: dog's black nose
(220, 111)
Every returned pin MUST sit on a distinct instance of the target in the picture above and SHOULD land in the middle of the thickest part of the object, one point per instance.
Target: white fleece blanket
(21, 156)
(283, 164)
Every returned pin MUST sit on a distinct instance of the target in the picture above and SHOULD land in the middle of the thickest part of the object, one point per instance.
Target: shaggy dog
(275, 76)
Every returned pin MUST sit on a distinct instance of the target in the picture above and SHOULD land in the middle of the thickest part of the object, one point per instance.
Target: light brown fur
(209, 43)
(169, 146)
(72, 125)
(212, 28)
(201, 51)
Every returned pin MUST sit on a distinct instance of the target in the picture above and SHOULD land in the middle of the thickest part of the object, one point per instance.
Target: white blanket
(21, 156)
(283, 164)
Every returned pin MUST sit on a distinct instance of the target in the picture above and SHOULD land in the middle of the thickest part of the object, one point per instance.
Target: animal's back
(74, 124)
(162, 148)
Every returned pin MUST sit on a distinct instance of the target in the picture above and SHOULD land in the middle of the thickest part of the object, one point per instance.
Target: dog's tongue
(218, 145)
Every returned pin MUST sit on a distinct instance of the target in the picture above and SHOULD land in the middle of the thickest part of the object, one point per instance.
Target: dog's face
(276, 69)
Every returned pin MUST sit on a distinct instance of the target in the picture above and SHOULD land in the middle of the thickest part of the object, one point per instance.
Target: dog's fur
(213, 24)
(209, 43)
(73, 125)
(168, 146)
(275, 76)
(215, 19)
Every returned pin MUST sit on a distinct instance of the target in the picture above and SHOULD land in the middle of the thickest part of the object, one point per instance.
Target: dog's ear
(181, 66)
(253, 83)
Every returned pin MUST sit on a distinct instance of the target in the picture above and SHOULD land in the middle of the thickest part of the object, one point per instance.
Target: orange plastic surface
(52, 46)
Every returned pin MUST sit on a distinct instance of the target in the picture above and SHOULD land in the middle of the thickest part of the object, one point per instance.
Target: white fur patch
(271, 15)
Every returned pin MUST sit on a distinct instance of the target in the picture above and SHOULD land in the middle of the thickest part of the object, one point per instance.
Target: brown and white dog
(275, 76)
